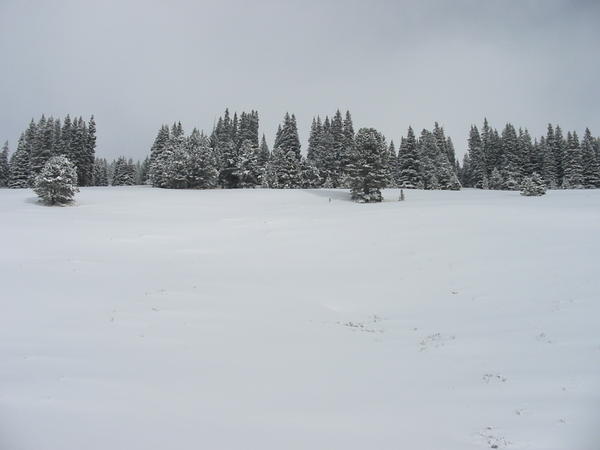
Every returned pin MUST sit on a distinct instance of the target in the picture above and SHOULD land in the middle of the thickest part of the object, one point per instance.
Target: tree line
(233, 156)
(76, 140)
(501, 160)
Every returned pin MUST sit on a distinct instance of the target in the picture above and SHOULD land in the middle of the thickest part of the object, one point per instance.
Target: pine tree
(560, 149)
(89, 154)
(19, 165)
(428, 153)
(591, 164)
(176, 173)
(288, 137)
(392, 165)
(248, 170)
(57, 181)
(512, 159)
(314, 141)
(572, 164)
(203, 165)
(496, 182)
(41, 149)
(4, 167)
(348, 143)
(283, 170)
(533, 185)
(124, 173)
(409, 162)
(478, 169)
(156, 160)
(310, 178)
(100, 172)
(265, 154)
(368, 167)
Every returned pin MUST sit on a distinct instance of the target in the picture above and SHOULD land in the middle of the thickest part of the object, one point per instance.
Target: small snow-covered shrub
(533, 186)
(57, 181)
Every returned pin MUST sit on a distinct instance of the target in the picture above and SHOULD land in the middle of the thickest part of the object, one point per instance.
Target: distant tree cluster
(74, 139)
(503, 160)
(428, 162)
(233, 157)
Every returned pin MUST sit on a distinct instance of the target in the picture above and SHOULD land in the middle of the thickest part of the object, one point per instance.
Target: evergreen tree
(591, 164)
(496, 182)
(283, 170)
(176, 173)
(57, 181)
(124, 173)
(560, 148)
(392, 165)
(19, 165)
(310, 178)
(533, 185)
(248, 169)
(409, 162)
(512, 160)
(89, 154)
(41, 149)
(4, 167)
(265, 154)
(572, 164)
(203, 170)
(288, 139)
(156, 170)
(429, 152)
(478, 169)
(368, 167)
(100, 172)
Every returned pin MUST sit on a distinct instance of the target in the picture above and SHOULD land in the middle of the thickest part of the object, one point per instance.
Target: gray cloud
(138, 64)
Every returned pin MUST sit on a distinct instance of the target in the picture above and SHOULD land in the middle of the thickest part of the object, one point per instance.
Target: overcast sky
(138, 64)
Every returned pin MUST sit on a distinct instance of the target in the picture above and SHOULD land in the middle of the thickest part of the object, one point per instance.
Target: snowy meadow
(297, 319)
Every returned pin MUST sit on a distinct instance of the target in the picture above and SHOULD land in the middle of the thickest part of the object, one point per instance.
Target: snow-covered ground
(258, 319)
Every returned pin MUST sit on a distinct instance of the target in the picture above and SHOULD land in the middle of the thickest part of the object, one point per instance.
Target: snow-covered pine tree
(392, 165)
(4, 167)
(560, 149)
(572, 164)
(466, 171)
(176, 173)
(203, 165)
(368, 167)
(124, 173)
(591, 164)
(159, 145)
(89, 153)
(533, 185)
(100, 172)
(19, 165)
(496, 182)
(477, 158)
(41, 147)
(265, 153)
(429, 154)
(310, 178)
(549, 166)
(512, 159)
(314, 141)
(348, 144)
(283, 170)
(57, 181)
(248, 169)
(409, 162)
(288, 139)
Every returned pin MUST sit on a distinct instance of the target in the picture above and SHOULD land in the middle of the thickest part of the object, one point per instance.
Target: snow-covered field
(257, 319)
